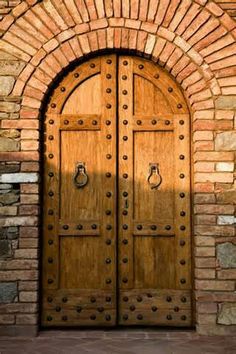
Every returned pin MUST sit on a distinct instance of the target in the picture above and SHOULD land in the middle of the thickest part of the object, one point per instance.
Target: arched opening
(117, 230)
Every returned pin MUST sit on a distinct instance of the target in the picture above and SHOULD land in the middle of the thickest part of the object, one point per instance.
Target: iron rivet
(182, 227)
(108, 212)
(108, 174)
(183, 318)
(50, 227)
(125, 194)
(124, 92)
(80, 122)
(108, 105)
(153, 227)
(92, 65)
(94, 122)
(181, 175)
(154, 122)
(125, 62)
(49, 318)
(93, 317)
(65, 227)
(49, 299)
(50, 212)
(156, 76)
(108, 136)
(176, 309)
(51, 121)
(182, 281)
(125, 317)
(125, 157)
(182, 242)
(125, 241)
(108, 90)
(79, 309)
(179, 105)
(108, 156)
(63, 89)
(66, 122)
(51, 194)
(182, 213)
(125, 260)
(167, 227)
(108, 261)
(108, 76)
(125, 106)
(108, 281)
(154, 308)
(109, 61)
(64, 299)
(53, 105)
(92, 299)
(181, 157)
(167, 122)
(139, 298)
(125, 299)
(79, 227)
(183, 299)
(168, 299)
(132, 308)
(108, 241)
(149, 295)
(125, 227)
(140, 317)
(181, 122)
(169, 317)
(109, 227)
(108, 299)
(108, 317)
(76, 75)
(182, 195)
(108, 122)
(50, 281)
(182, 262)
(125, 280)
(125, 212)
(139, 122)
(50, 137)
(50, 242)
(51, 156)
(58, 308)
(108, 194)
(124, 77)
(94, 226)
(181, 137)
(170, 89)
(139, 227)
(100, 309)
(141, 66)
(125, 122)
(125, 175)
(125, 138)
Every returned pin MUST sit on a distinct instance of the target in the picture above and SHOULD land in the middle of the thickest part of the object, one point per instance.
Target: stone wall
(195, 42)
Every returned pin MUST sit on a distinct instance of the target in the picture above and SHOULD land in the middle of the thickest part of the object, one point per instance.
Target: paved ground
(119, 341)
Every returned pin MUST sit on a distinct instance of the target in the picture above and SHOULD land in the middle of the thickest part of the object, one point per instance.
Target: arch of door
(116, 220)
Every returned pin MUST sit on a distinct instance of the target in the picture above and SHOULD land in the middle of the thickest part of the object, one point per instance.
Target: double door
(116, 223)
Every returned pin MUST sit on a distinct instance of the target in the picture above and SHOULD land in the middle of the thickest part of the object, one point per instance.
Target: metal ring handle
(154, 170)
(80, 177)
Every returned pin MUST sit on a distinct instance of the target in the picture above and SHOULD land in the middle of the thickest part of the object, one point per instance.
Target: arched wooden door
(116, 225)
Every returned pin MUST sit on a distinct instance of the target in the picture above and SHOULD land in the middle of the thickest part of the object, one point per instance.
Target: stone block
(226, 220)
(226, 196)
(7, 144)
(8, 210)
(226, 255)
(226, 141)
(9, 198)
(227, 314)
(19, 221)
(224, 102)
(9, 168)
(10, 133)
(5, 248)
(9, 107)
(225, 166)
(19, 178)
(6, 85)
(8, 292)
(10, 67)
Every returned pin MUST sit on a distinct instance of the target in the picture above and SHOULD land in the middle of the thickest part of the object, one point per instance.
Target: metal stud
(79, 227)
(108, 212)
(176, 309)
(49, 318)
(182, 195)
(125, 299)
(169, 317)
(181, 122)
(182, 227)
(50, 137)
(108, 156)
(181, 137)
(125, 122)
(51, 156)
(139, 227)
(108, 194)
(51, 121)
(124, 92)
(108, 299)
(125, 227)
(168, 298)
(53, 105)
(80, 122)
(50, 242)
(182, 262)
(125, 280)
(108, 261)
(108, 90)
(108, 105)
(140, 317)
(94, 226)
(108, 136)
(50, 227)
(76, 75)
(181, 157)
(66, 122)
(139, 122)
(154, 308)
(58, 308)
(92, 65)
(168, 227)
(132, 308)
(153, 227)
(183, 318)
(49, 299)
(182, 213)
(167, 122)
(100, 309)
(125, 138)
(108, 122)
(141, 66)
(108, 76)
(183, 299)
(124, 77)
(125, 106)
(50, 260)
(125, 62)
(179, 105)
(109, 61)
(125, 212)
(125, 157)
(181, 175)
(182, 281)
(156, 76)
(64, 299)
(125, 241)
(139, 298)
(125, 317)
(109, 227)
(182, 243)
(50, 281)
(125, 194)
(108, 317)
(125, 260)
(79, 309)
(125, 175)
(93, 317)
(154, 122)
(65, 227)
(108, 281)
(108, 174)
(94, 122)
(170, 89)
(51, 174)
(63, 89)
(92, 299)
(51, 194)
(108, 241)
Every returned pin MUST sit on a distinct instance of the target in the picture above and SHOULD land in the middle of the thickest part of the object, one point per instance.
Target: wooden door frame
(45, 101)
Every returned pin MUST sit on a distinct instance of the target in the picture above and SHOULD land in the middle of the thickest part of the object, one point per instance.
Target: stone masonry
(195, 41)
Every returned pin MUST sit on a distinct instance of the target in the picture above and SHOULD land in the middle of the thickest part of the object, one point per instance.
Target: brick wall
(195, 42)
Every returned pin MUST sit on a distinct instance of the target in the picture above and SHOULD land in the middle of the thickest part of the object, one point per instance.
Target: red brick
(214, 156)
(29, 167)
(29, 188)
(28, 285)
(26, 253)
(100, 23)
(28, 210)
(205, 273)
(7, 319)
(210, 230)
(28, 242)
(214, 285)
(227, 274)
(29, 198)
(205, 220)
(18, 264)
(19, 156)
(13, 275)
(205, 251)
(26, 231)
(225, 177)
(208, 262)
(28, 296)
(214, 209)
(26, 319)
